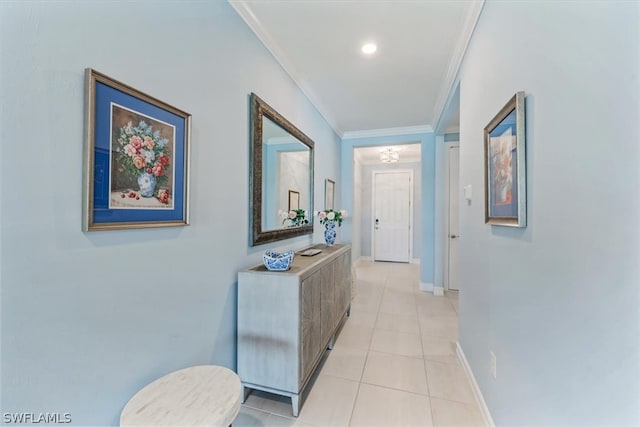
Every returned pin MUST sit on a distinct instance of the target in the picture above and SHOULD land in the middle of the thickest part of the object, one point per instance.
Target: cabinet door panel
(327, 312)
(310, 324)
(344, 287)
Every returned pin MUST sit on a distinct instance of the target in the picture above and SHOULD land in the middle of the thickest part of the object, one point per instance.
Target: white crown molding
(243, 9)
(407, 130)
(471, 20)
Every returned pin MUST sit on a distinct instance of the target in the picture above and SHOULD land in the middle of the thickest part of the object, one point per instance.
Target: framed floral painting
(505, 166)
(136, 158)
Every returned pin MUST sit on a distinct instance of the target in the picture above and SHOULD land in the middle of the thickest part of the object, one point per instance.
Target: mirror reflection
(285, 172)
(282, 176)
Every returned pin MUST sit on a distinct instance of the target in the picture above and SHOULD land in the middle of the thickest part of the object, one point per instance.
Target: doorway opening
(368, 161)
(452, 218)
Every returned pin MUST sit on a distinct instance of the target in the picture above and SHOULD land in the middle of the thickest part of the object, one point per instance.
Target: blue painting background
(104, 96)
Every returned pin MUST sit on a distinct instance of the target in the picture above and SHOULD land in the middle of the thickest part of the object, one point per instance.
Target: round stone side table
(205, 395)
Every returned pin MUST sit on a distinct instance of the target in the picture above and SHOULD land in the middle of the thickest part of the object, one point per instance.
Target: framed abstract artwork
(136, 156)
(505, 166)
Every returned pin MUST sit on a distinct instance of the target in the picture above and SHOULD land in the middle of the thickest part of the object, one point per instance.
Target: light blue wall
(428, 256)
(557, 302)
(356, 220)
(448, 120)
(427, 144)
(440, 212)
(89, 318)
(451, 137)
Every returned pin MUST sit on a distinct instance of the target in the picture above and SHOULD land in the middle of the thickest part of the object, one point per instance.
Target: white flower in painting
(331, 215)
(149, 156)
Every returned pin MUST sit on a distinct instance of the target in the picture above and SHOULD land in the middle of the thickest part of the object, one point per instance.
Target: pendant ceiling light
(389, 156)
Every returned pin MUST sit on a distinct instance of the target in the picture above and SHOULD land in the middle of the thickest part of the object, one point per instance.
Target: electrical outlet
(492, 364)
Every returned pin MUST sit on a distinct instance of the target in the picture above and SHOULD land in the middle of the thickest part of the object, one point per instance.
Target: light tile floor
(394, 363)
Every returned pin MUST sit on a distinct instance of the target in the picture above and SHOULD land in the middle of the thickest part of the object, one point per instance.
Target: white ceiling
(404, 84)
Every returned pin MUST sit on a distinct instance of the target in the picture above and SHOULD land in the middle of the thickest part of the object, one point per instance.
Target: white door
(392, 207)
(453, 232)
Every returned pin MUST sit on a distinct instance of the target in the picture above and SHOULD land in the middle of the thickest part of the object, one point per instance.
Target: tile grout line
(424, 365)
(366, 359)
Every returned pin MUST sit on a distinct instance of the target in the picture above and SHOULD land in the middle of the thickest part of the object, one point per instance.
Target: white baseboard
(426, 287)
(369, 259)
(438, 291)
(484, 410)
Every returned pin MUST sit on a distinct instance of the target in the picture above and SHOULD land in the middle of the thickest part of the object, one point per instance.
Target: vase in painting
(147, 184)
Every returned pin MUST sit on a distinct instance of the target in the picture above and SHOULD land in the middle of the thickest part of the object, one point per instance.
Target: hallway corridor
(394, 362)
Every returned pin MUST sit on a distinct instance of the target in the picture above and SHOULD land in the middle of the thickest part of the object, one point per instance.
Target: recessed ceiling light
(369, 48)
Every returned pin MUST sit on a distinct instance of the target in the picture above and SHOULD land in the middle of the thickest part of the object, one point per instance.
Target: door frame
(447, 240)
(375, 172)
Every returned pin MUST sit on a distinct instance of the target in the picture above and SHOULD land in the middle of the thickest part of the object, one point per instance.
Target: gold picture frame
(329, 194)
(136, 158)
(294, 200)
(505, 185)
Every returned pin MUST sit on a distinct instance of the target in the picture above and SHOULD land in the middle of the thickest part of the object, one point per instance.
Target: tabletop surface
(301, 264)
(196, 396)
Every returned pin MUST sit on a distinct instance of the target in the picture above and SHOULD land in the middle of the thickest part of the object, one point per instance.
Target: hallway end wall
(427, 144)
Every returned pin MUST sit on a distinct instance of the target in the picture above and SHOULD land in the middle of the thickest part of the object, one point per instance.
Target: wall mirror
(281, 165)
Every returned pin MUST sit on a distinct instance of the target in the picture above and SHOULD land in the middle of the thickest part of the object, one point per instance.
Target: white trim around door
(447, 202)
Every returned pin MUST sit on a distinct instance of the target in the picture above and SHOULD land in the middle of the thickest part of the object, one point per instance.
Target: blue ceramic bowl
(276, 261)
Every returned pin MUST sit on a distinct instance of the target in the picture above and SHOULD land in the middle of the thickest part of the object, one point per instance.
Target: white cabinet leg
(295, 404)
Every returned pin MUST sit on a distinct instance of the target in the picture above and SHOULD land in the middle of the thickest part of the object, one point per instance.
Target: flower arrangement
(332, 215)
(143, 150)
(297, 217)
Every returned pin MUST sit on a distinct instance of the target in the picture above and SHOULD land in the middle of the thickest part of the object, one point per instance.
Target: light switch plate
(467, 192)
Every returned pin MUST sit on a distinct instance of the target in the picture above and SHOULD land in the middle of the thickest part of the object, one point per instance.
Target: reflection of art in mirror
(281, 159)
(294, 200)
(329, 191)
